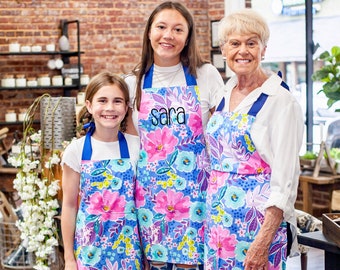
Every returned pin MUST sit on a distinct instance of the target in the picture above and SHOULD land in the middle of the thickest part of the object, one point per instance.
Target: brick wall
(110, 37)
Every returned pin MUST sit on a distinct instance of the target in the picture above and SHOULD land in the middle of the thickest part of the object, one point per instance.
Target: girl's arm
(70, 187)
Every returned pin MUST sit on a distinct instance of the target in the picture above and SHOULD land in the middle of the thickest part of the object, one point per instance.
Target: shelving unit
(65, 56)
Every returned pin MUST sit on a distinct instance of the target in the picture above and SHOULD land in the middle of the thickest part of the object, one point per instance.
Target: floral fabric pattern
(106, 234)
(239, 186)
(172, 175)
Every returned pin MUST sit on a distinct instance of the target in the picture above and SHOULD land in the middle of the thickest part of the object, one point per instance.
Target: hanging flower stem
(38, 187)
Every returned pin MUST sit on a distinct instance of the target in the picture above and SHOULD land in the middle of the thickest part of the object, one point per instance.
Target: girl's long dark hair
(190, 55)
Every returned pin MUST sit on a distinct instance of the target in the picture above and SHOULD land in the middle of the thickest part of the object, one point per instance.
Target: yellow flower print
(104, 184)
(249, 143)
(168, 183)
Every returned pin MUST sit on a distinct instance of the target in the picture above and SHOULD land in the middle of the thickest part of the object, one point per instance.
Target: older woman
(254, 138)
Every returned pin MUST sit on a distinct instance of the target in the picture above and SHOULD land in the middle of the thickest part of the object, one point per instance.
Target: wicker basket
(13, 254)
(58, 120)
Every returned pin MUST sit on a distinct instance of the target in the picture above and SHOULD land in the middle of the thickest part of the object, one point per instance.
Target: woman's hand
(258, 252)
(257, 256)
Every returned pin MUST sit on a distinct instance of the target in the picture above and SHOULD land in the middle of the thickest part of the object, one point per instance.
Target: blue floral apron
(106, 235)
(172, 173)
(239, 186)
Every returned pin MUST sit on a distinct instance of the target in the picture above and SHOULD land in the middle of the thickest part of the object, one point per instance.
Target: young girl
(98, 221)
(173, 91)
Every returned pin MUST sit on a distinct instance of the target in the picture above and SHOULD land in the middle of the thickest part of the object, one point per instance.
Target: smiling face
(168, 35)
(243, 53)
(108, 107)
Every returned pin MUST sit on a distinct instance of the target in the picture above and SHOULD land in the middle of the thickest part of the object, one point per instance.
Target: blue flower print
(241, 250)
(121, 165)
(116, 183)
(145, 217)
(159, 253)
(185, 161)
(130, 211)
(197, 211)
(180, 183)
(127, 230)
(227, 220)
(143, 158)
(90, 255)
(215, 122)
(191, 233)
(80, 221)
(120, 250)
(234, 197)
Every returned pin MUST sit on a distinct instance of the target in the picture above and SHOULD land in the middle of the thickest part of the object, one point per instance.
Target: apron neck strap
(87, 149)
(254, 109)
(190, 79)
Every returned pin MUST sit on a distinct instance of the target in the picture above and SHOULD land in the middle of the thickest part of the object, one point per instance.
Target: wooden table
(7, 175)
(318, 240)
(307, 180)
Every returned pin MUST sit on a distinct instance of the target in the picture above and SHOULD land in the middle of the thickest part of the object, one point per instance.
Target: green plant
(330, 75)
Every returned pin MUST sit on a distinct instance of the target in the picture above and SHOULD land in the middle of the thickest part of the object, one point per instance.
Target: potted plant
(329, 73)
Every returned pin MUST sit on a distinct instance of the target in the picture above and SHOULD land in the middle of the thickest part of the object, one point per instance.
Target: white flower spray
(37, 187)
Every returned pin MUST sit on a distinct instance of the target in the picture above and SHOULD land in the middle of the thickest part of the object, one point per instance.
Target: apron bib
(239, 186)
(172, 174)
(106, 235)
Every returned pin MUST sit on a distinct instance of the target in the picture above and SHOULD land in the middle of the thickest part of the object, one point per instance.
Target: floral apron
(106, 235)
(172, 173)
(239, 186)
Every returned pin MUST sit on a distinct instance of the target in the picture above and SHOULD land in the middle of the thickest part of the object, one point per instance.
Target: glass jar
(20, 80)
(10, 116)
(84, 79)
(44, 80)
(22, 115)
(68, 80)
(32, 82)
(14, 47)
(57, 80)
(8, 81)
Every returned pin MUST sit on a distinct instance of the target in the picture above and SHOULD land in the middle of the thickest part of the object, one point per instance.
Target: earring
(262, 58)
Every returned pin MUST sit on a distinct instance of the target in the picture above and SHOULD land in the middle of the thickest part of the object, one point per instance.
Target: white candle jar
(8, 81)
(44, 80)
(14, 47)
(10, 117)
(20, 81)
(50, 47)
(68, 81)
(84, 79)
(57, 80)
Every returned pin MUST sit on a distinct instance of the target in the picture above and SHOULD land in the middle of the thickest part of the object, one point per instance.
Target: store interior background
(111, 38)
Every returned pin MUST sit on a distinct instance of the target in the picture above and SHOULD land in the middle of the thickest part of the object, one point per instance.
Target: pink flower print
(173, 205)
(160, 143)
(216, 180)
(195, 124)
(223, 242)
(139, 195)
(148, 102)
(108, 205)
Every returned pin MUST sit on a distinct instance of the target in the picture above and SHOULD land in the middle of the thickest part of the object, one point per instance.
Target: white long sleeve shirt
(277, 134)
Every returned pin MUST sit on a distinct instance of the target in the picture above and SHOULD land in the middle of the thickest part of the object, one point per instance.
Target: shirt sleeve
(72, 154)
(278, 138)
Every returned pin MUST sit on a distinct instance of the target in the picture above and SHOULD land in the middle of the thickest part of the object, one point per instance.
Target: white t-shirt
(209, 82)
(100, 151)
(277, 134)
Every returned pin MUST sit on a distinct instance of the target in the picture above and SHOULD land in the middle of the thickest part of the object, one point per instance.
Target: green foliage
(330, 75)
(309, 155)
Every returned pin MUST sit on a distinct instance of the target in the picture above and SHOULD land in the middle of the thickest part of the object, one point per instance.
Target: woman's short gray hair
(245, 21)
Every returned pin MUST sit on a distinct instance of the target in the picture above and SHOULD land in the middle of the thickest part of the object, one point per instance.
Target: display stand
(330, 162)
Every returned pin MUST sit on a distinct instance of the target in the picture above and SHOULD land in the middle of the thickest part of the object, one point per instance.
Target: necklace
(166, 78)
